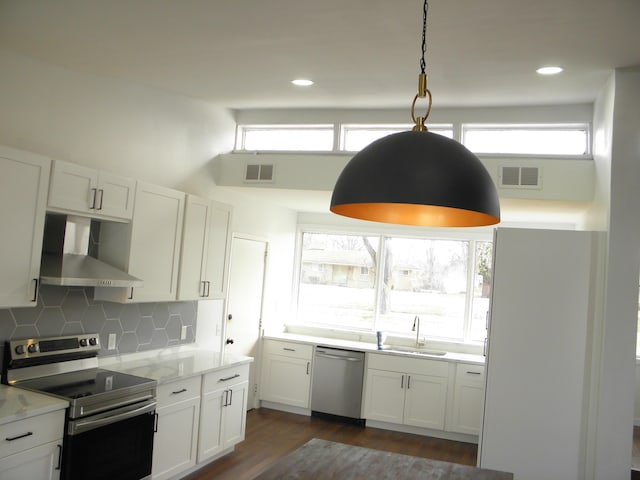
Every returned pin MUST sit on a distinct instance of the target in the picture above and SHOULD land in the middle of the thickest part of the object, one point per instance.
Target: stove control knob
(33, 348)
(20, 349)
(83, 342)
(93, 341)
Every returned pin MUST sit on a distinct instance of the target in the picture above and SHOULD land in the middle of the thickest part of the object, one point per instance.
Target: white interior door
(244, 309)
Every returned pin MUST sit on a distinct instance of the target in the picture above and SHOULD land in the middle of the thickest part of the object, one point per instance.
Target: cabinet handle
(402, 382)
(101, 198)
(308, 366)
(289, 349)
(230, 397)
(35, 291)
(484, 347)
(179, 391)
(155, 423)
(473, 373)
(226, 379)
(94, 192)
(130, 297)
(204, 288)
(408, 382)
(208, 283)
(226, 397)
(59, 466)
(11, 439)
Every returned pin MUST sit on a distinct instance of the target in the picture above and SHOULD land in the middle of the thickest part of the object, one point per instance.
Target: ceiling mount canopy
(417, 177)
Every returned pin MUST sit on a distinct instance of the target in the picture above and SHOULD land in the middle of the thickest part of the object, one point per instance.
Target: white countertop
(372, 348)
(166, 366)
(16, 404)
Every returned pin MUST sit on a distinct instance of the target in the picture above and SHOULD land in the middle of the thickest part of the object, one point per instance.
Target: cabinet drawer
(31, 432)
(225, 378)
(419, 366)
(178, 391)
(469, 373)
(289, 349)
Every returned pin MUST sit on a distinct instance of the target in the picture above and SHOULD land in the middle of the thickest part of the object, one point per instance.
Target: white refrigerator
(537, 354)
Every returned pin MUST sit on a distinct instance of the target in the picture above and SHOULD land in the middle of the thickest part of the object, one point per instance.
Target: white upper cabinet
(204, 260)
(24, 182)
(83, 190)
(153, 239)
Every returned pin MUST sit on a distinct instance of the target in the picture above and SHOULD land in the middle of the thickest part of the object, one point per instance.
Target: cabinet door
(467, 399)
(218, 251)
(115, 196)
(235, 415)
(24, 183)
(155, 236)
(209, 436)
(73, 187)
(195, 241)
(425, 401)
(175, 442)
(384, 396)
(286, 380)
(41, 462)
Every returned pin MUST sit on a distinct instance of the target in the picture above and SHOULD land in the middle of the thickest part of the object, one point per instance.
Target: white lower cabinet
(32, 448)
(286, 373)
(467, 399)
(199, 418)
(396, 393)
(175, 441)
(223, 410)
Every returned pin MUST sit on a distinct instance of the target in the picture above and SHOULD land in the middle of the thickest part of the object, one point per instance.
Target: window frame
(243, 129)
(552, 127)
(477, 235)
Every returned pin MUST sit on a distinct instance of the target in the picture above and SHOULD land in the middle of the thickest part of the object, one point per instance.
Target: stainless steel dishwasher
(337, 383)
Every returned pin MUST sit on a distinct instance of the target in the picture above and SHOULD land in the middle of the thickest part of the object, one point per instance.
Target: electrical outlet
(183, 333)
(112, 342)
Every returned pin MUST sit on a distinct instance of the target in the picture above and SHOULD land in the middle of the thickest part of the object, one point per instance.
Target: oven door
(117, 444)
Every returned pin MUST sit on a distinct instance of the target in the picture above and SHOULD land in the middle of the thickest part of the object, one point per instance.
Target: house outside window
(342, 295)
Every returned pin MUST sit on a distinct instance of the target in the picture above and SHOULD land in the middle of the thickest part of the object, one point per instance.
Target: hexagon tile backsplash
(70, 310)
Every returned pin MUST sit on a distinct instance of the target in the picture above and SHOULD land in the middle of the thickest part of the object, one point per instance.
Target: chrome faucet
(416, 328)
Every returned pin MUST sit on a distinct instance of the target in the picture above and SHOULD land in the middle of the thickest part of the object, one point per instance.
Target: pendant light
(417, 177)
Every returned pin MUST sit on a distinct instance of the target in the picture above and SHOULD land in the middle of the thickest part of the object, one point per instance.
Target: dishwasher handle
(338, 357)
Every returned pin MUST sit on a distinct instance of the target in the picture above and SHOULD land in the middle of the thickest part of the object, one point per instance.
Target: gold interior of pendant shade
(416, 215)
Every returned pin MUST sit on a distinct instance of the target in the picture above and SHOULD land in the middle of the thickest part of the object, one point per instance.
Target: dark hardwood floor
(272, 434)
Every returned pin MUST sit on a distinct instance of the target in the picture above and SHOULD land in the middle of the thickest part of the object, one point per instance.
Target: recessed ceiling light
(302, 82)
(549, 70)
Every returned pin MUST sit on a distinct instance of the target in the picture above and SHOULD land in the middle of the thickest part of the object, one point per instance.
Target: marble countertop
(165, 367)
(372, 348)
(17, 404)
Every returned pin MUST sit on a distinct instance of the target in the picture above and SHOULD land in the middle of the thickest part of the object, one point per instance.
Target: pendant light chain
(424, 36)
(423, 91)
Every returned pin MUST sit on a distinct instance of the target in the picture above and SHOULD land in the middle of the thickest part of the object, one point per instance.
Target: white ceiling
(361, 53)
(242, 54)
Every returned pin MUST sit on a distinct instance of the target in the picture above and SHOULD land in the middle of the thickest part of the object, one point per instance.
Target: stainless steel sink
(414, 351)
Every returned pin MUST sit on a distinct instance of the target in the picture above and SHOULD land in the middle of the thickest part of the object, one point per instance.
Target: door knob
(229, 341)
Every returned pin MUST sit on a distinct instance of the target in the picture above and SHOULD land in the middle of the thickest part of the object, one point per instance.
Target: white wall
(139, 132)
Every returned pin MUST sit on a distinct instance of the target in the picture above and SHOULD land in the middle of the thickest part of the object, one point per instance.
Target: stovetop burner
(67, 367)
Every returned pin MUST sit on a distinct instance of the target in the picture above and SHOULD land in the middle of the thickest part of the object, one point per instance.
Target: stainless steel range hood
(67, 260)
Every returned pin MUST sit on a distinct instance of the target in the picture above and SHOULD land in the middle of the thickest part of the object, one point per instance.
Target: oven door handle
(80, 426)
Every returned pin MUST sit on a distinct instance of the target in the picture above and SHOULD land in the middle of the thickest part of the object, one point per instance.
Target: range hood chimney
(67, 260)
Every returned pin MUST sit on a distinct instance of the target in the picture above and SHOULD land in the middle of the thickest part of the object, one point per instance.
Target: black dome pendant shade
(417, 178)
